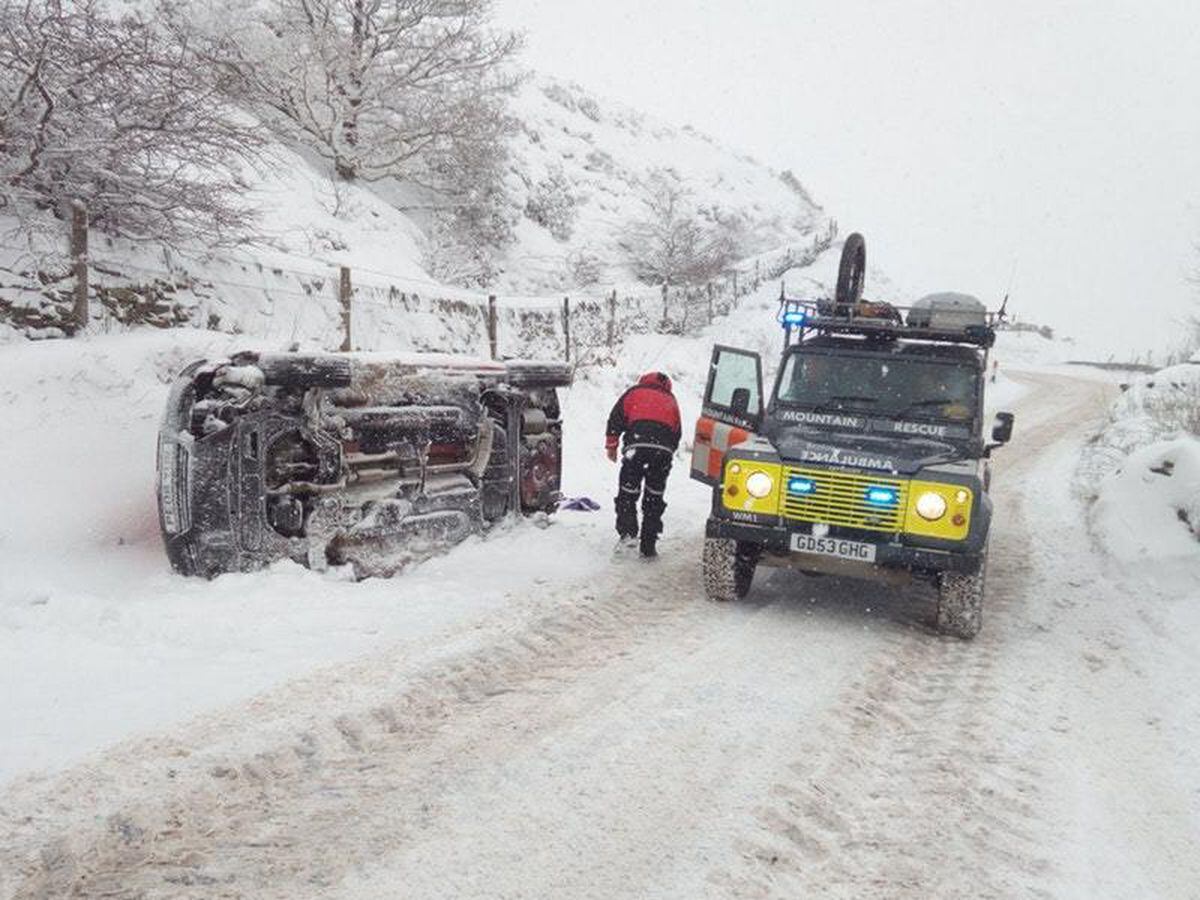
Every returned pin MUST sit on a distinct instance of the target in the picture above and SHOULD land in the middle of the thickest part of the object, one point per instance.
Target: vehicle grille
(840, 498)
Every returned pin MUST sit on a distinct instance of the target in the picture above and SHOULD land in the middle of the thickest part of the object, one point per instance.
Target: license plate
(859, 551)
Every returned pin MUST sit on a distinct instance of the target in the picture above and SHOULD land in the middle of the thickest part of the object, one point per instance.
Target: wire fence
(288, 299)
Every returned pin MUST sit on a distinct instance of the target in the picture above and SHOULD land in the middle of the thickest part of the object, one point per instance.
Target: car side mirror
(739, 402)
(1003, 428)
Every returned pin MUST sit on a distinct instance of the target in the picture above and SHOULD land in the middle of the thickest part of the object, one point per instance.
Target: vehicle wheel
(728, 569)
(960, 603)
(852, 273)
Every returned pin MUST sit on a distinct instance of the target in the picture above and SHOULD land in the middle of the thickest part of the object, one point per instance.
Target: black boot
(627, 517)
(653, 508)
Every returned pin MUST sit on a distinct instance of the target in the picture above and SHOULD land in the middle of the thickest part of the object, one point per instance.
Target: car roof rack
(876, 321)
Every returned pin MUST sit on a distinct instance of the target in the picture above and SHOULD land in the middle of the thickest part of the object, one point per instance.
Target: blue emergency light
(795, 317)
(803, 486)
(882, 496)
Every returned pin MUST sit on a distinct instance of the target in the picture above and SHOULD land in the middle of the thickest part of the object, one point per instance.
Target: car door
(732, 411)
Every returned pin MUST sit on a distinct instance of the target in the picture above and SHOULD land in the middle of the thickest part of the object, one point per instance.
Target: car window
(735, 370)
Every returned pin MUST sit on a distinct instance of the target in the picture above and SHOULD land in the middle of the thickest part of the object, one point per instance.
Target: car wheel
(960, 603)
(728, 569)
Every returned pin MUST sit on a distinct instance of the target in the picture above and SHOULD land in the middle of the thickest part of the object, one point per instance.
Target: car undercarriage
(363, 460)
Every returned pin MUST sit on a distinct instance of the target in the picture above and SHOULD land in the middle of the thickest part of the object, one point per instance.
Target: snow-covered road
(621, 737)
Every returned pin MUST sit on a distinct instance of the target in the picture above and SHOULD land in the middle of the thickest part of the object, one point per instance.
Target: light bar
(795, 317)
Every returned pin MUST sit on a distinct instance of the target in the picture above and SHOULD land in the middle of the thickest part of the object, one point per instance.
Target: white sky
(966, 140)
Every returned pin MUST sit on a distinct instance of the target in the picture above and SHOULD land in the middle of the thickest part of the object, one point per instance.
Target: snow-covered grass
(1143, 472)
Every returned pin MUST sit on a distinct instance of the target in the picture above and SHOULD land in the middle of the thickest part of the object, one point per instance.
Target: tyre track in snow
(296, 814)
(611, 747)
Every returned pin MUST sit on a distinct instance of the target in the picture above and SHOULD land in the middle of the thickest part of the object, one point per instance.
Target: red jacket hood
(656, 379)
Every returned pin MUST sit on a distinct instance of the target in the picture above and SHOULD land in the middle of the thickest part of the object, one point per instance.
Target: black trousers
(644, 472)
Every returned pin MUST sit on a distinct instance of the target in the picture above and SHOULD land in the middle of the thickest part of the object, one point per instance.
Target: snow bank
(1142, 470)
(1148, 510)
(1151, 408)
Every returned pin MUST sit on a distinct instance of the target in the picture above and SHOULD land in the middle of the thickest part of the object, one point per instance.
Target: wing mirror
(1002, 429)
(739, 402)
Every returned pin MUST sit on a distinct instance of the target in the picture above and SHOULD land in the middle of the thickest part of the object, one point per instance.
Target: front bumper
(889, 554)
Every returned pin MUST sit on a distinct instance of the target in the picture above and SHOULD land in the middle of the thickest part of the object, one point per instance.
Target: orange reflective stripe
(715, 457)
(713, 440)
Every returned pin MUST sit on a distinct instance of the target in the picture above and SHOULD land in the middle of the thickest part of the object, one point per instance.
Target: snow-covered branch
(120, 114)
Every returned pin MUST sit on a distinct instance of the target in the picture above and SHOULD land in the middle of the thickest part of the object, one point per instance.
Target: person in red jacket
(646, 420)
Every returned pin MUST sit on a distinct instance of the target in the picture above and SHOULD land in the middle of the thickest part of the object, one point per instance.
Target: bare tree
(377, 87)
(116, 112)
(670, 244)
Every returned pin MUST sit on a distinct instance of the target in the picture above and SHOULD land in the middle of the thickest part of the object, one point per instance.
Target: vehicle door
(732, 411)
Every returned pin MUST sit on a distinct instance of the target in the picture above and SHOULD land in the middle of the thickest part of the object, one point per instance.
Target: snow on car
(367, 460)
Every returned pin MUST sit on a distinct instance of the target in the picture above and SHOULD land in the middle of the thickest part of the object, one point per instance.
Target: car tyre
(728, 569)
(960, 603)
(852, 274)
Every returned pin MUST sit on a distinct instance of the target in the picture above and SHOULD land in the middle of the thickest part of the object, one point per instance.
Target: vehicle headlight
(759, 485)
(931, 506)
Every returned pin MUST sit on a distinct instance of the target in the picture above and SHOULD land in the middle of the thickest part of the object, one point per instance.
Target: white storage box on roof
(948, 311)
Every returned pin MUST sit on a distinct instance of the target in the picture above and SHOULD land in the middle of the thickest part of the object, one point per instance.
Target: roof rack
(878, 321)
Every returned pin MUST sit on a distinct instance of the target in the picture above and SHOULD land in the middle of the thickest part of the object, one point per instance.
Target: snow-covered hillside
(604, 152)
(569, 148)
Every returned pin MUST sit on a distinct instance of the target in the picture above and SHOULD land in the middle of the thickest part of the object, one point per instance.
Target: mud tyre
(852, 274)
(960, 603)
(728, 569)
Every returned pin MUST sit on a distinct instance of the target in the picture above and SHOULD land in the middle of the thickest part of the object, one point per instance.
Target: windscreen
(893, 386)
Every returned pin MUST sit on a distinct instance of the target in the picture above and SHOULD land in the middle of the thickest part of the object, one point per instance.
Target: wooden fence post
(566, 317)
(79, 263)
(491, 326)
(664, 299)
(709, 290)
(612, 318)
(344, 295)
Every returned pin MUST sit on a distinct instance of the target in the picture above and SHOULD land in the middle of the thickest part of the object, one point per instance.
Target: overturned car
(370, 460)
